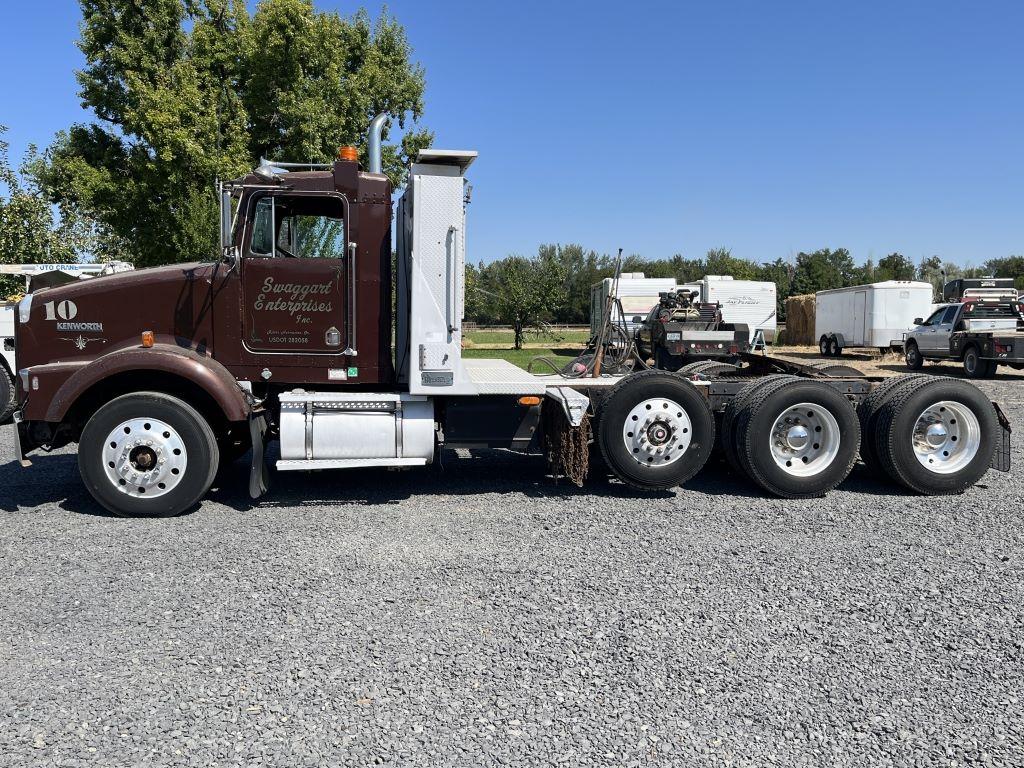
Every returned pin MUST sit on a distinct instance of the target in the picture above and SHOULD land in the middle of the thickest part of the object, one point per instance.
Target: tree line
(554, 285)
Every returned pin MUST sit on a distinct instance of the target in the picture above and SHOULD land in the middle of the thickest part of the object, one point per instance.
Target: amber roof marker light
(147, 339)
(348, 153)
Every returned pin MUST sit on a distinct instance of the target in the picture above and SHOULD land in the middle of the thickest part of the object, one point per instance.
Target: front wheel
(913, 357)
(147, 455)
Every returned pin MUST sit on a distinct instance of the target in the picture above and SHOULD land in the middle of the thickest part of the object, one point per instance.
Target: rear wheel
(976, 367)
(798, 439)
(834, 348)
(913, 357)
(147, 455)
(7, 404)
(656, 430)
(936, 437)
(709, 368)
(728, 439)
(869, 408)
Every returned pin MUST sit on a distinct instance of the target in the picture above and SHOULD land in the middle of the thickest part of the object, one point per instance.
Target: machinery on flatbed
(680, 330)
(288, 337)
(982, 333)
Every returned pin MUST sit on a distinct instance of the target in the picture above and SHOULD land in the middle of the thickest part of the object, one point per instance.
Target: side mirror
(918, 321)
(637, 319)
(229, 257)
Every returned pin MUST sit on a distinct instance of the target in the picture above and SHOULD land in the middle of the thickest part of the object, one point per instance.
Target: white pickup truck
(980, 333)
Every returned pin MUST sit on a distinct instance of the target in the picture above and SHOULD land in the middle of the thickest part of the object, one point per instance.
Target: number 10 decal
(65, 310)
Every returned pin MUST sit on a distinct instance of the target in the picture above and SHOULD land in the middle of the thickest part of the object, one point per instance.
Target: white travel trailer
(875, 315)
(743, 301)
(637, 294)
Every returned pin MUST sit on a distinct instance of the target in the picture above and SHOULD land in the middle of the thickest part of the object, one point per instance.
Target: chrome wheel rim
(804, 439)
(144, 458)
(657, 432)
(946, 437)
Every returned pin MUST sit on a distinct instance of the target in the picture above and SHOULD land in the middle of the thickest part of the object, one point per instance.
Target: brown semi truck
(162, 375)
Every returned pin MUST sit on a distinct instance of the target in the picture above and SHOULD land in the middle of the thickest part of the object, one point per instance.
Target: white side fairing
(431, 242)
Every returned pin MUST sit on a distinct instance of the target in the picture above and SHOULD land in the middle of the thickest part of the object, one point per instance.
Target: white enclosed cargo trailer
(743, 301)
(637, 294)
(874, 315)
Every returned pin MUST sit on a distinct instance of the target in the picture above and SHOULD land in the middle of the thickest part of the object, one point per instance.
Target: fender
(203, 371)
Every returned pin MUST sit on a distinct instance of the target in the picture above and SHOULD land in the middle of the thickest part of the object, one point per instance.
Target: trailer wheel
(656, 430)
(913, 356)
(823, 346)
(936, 437)
(869, 408)
(7, 403)
(147, 455)
(735, 406)
(976, 367)
(798, 439)
(834, 347)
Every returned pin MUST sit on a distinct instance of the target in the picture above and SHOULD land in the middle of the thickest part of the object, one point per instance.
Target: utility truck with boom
(288, 337)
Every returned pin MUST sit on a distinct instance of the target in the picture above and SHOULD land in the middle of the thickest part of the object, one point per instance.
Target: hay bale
(800, 320)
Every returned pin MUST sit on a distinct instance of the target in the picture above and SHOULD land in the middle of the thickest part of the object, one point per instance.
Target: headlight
(25, 308)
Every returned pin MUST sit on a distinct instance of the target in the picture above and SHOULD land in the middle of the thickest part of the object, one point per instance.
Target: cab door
(294, 276)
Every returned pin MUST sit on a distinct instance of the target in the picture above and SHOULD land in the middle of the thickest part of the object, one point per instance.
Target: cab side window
(298, 227)
(949, 315)
(935, 318)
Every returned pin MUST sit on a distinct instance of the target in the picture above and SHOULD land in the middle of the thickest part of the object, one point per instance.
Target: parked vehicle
(982, 334)
(681, 330)
(743, 302)
(183, 368)
(979, 287)
(637, 295)
(874, 315)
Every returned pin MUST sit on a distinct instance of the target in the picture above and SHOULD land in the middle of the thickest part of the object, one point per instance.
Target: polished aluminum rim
(804, 439)
(657, 432)
(946, 437)
(144, 458)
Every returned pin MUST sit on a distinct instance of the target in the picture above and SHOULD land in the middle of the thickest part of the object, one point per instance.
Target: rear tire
(867, 413)
(7, 400)
(936, 437)
(656, 430)
(735, 406)
(798, 439)
(709, 368)
(913, 357)
(975, 367)
(147, 455)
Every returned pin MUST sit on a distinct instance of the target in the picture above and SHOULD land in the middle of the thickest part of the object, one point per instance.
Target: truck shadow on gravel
(53, 480)
(956, 371)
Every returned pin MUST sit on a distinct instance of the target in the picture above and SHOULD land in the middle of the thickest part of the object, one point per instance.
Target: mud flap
(1001, 456)
(259, 474)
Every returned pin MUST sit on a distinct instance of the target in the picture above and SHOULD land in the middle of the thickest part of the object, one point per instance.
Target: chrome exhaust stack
(373, 149)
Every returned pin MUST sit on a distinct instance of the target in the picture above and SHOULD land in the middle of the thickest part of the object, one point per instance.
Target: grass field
(498, 338)
(522, 357)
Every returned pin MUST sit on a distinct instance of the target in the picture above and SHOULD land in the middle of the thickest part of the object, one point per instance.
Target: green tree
(930, 271)
(188, 91)
(526, 292)
(895, 266)
(720, 261)
(29, 233)
(823, 269)
(1011, 266)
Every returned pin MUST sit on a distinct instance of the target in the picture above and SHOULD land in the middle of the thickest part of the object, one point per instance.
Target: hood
(88, 318)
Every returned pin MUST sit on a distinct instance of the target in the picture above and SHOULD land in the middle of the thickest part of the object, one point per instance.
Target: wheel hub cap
(946, 437)
(144, 458)
(804, 439)
(657, 432)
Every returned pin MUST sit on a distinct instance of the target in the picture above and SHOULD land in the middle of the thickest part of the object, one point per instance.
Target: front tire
(656, 430)
(147, 455)
(913, 357)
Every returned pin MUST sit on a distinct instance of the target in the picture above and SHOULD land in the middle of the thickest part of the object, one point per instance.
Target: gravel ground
(482, 615)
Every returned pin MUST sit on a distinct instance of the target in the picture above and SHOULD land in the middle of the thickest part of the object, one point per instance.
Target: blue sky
(664, 128)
